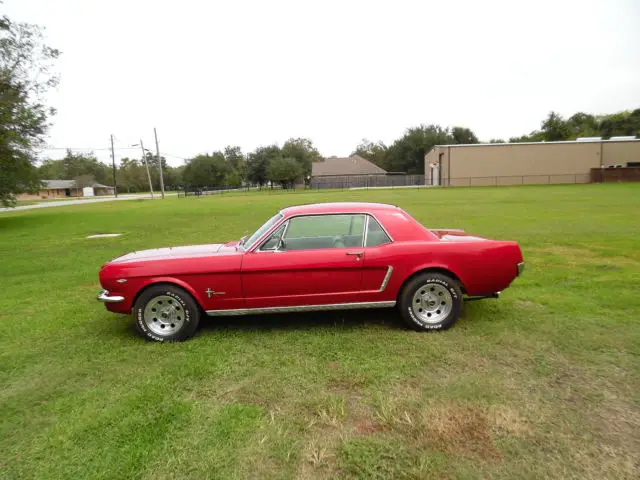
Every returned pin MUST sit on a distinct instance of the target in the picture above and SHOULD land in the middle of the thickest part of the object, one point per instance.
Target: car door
(309, 260)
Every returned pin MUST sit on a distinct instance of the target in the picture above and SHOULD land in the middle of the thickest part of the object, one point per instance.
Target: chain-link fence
(364, 182)
(504, 180)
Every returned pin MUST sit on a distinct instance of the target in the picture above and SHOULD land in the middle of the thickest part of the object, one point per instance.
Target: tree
(583, 125)
(258, 161)
(173, 177)
(235, 158)
(407, 153)
(554, 128)
(625, 123)
(535, 136)
(463, 136)
(284, 170)
(303, 151)
(25, 63)
(206, 170)
(374, 152)
(132, 176)
(74, 165)
(497, 140)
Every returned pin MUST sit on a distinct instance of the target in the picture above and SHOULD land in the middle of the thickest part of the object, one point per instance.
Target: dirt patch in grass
(458, 429)
(505, 420)
(368, 427)
(529, 305)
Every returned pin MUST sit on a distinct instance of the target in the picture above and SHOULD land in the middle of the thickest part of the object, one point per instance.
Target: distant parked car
(328, 256)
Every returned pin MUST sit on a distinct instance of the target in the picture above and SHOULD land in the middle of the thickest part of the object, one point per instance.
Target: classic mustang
(326, 256)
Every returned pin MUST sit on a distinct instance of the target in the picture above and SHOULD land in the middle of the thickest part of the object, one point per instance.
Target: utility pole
(159, 162)
(113, 162)
(144, 159)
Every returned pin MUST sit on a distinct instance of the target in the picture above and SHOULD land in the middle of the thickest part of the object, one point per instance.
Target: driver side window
(274, 243)
(315, 232)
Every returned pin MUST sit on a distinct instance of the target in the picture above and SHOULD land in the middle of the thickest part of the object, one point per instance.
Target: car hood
(172, 253)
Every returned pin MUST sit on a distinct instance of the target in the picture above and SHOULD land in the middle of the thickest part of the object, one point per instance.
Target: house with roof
(67, 188)
(353, 171)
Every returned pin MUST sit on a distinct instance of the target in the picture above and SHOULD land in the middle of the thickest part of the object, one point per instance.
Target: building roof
(354, 165)
(578, 141)
(55, 184)
(62, 184)
(337, 207)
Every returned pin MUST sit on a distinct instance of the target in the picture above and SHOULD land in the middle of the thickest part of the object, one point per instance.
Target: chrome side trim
(301, 308)
(106, 298)
(520, 268)
(367, 219)
(386, 278)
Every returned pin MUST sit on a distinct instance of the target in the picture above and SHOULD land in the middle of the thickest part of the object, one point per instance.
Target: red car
(327, 256)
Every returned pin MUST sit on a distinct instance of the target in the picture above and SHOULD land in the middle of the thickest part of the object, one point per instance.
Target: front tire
(164, 313)
(431, 301)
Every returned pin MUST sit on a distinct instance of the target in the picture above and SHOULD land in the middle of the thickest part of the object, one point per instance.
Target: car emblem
(210, 292)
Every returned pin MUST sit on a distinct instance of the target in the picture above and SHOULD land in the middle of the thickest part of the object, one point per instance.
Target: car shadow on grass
(350, 319)
(387, 318)
(347, 319)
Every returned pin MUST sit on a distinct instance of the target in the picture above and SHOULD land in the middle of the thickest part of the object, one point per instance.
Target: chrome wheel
(163, 315)
(432, 303)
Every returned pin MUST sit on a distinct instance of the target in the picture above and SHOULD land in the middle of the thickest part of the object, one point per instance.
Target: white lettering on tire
(143, 326)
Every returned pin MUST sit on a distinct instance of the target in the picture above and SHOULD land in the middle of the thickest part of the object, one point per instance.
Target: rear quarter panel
(483, 267)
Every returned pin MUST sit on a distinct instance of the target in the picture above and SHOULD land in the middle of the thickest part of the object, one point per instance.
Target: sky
(211, 73)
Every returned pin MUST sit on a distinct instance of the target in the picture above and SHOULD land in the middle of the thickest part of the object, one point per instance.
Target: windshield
(261, 231)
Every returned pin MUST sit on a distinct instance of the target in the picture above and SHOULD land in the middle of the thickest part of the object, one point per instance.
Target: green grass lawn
(544, 382)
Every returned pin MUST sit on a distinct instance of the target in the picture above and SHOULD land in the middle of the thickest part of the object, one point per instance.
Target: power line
(174, 156)
(87, 148)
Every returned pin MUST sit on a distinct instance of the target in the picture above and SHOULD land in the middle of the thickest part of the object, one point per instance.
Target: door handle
(357, 254)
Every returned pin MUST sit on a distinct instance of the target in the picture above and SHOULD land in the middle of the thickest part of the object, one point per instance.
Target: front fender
(171, 280)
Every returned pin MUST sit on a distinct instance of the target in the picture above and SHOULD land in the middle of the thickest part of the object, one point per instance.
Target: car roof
(337, 207)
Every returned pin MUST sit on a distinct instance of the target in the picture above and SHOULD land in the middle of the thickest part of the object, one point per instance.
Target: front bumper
(520, 268)
(104, 297)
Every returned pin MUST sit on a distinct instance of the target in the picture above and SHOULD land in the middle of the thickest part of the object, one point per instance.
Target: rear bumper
(520, 268)
(104, 297)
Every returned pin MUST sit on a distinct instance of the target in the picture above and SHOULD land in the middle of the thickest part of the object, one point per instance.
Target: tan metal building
(526, 163)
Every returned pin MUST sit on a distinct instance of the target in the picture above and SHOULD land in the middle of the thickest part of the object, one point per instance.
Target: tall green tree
(463, 136)
(303, 151)
(555, 128)
(407, 153)
(206, 170)
(284, 170)
(258, 162)
(625, 123)
(132, 176)
(25, 75)
(74, 165)
(235, 158)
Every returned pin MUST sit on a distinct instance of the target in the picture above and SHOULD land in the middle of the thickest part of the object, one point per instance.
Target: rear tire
(431, 301)
(165, 313)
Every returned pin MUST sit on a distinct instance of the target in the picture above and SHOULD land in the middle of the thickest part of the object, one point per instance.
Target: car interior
(322, 232)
